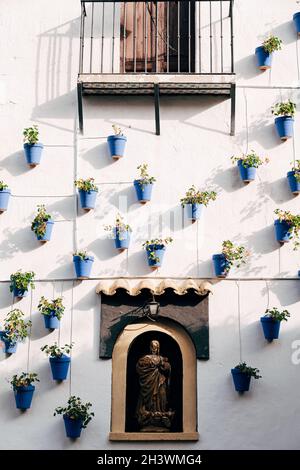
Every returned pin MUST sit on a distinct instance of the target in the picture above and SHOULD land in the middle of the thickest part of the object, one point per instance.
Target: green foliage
(117, 129)
(31, 135)
(151, 245)
(75, 409)
(294, 224)
(83, 255)
(118, 228)
(247, 370)
(277, 315)
(193, 196)
(234, 254)
(39, 223)
(23, 380)
(55, 307)
(144, 177)
(250, 160)
(284, 108)
(272, 44)
(22, 280)
(56, 351)
(296, 169)
(15, 328)
(3, 185)
(86, 185)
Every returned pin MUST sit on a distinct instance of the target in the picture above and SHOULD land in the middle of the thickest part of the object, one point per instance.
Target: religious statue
(152, 412)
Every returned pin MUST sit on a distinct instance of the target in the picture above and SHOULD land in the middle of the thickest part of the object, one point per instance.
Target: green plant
(250, 371)
(15, 328)
(82, 254)
(55, 307)
(119, 227)
(86, 185)
(296, 169)
(150, 246)
(75, 409)
(144, 177)
(193, 196)
(3, 186)
(21, 280)
(39, 223)
(293, 222)
(275, 314)
(23, 380)
(234, 254)
(31, 135)
(272, 44)
(284, 108)
(117, 129)
(56, 351)
(250, 160)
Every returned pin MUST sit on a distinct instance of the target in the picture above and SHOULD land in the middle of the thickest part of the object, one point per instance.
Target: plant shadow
(15, 163)
(98, 156)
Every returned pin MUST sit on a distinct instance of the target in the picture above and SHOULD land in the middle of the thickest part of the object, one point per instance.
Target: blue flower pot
(9, 346)
(143, 191)
(83, 267)
(51, 322)
(60, 367)
(293, 183)
(73, 427)
(23, 396)
(122, 240)
(33, 153)
(264, 59)
(296, 19)
(247, 174)
(47, 236)
(159, 251)
(87, 199)
(241, 380)
(4, 199)
(271, 328)
(285, 127)
(20, 293)
(221, 265)
(194, 211)
(116, 145)
(282, 231)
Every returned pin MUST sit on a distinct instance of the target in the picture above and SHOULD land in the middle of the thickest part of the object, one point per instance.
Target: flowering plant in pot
(144, 184)
(296, 19)
(23, 389)
(287, 227)
(87, 190)
(232, 255)
(155, 250)
(194, 200)
(293, 177)
(247, 165)
(20, 283)
(42, 224)
(15, 329)
(242, 374)
(76, 415)
(271, 322)
(120, 232)
(264, 53)
(5, 193)
(59, 360)
(32, 147)
(83, 264)
(52, 311)
(284, 122)
(116, 143)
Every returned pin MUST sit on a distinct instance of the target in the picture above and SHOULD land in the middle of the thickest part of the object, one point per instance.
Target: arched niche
(121, 352)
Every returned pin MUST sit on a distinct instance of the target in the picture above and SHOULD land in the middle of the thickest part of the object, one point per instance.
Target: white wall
(39, 64)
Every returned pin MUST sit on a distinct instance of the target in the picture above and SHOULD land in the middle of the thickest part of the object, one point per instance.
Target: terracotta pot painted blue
(73, 427)
(296, 19)
(83, 267)
(51, 322)
(122, 239)
(241, 380)
(159, 251)
(116, 145)
(221, 265)
(47, 236)
(247, 174)
(293, 183)
(194, 211)
(143, 191)
(271, 328)
(282, 231)
(4, 199)
(10, 347)
(23, 396)
(33, 153)
(285, 127)
(20, 292)
(60, 367)
(264, 58)
(87, 199)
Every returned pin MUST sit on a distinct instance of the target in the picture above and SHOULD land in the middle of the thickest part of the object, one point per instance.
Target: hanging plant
(247, 165)
(271, 322)
(296, 19)
(32, 147)
(194, 200)
(144, 184)
(232, 255)
(120, 232)
(76, 415)
(59, 361)
(42, 224)
(155, 250)
(83, 264)
(293, 177)
(23, 389)
(52, 311)
(87, 190)
(264, 53)
(20, 282)
(287, 227)
(5, 193)
(116, 143)
(284, 122)
(242, 374)
(15, 330)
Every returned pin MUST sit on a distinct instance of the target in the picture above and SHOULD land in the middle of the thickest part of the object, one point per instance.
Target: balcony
(156, 48)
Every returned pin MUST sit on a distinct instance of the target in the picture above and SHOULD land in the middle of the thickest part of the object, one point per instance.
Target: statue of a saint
(152, 410)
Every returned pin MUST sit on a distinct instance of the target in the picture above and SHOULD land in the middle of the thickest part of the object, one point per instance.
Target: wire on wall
(239, 320)
(30, 328)
(71, 337)
(246, 120)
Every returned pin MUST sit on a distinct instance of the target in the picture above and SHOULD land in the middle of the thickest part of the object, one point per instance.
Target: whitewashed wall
(38, 68)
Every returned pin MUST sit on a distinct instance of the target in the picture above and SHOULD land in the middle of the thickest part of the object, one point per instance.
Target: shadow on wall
(15, 163)
(22, 240)
(286, 295)
(98, 156)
